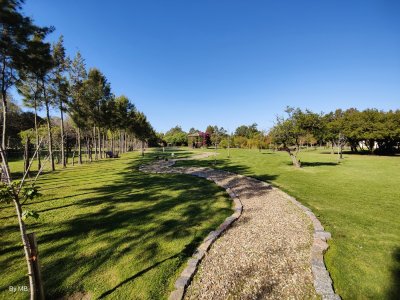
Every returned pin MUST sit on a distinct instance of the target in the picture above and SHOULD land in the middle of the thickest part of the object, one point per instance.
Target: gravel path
(265, 254)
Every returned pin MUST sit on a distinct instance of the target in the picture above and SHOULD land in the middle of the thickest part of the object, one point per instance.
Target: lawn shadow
(183, 256)
(222, 164)
(137, 203)
(361, 153)
(317, 164)
(394, 291)
(122, 217)
(266, 177)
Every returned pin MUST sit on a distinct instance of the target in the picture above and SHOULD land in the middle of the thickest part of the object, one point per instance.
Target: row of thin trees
(48, 79)
(102, 121)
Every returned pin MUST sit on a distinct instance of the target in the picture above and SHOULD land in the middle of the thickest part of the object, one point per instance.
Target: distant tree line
(371, 130)
(243, 137)
(368, 130)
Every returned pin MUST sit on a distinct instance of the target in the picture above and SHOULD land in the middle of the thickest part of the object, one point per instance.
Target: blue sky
(195, 63)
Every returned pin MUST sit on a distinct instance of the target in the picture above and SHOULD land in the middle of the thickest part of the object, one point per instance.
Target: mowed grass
(107, 230)
(358, 201)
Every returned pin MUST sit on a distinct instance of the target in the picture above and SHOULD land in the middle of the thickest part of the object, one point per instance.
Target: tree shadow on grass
(134, 215)
(313, 164)
(183, 256)
(104, 223)
(361, 152)
(150, 206)
(266, 177)
(318, 164)
(394, 291)
(245, 189)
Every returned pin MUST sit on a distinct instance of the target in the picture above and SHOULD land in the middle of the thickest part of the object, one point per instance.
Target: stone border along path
(270, 252)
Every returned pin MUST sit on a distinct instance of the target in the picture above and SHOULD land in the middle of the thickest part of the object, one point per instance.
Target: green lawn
(358, 201)
(110, 231)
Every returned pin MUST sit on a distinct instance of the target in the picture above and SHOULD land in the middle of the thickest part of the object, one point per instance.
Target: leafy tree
(77, 76)
(45, 72)
(216, 134)
(31, 92)
(247, 131)
(18, 121)
(240, 141)
(176, 136)
(124, 111)
(370, 127)
(334, 130)
(31, 78)
(16, 32)
(193, 130)
(288, 132)
(351, 127)
(389, 132)
(141, 128)
(97, 93)
(59, 89)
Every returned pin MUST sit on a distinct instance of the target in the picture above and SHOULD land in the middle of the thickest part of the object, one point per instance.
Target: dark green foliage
(77, 76)
(176, 136)
(141, 128)
(216, 134)
(97, 94)
(18, 121)
(247, 131)
(20, 41)
(371, 130)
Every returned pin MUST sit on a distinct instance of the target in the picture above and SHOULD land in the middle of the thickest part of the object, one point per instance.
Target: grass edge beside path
(107, 229)
(357, 201)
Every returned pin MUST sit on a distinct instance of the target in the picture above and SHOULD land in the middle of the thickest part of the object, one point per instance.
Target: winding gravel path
(266, 253)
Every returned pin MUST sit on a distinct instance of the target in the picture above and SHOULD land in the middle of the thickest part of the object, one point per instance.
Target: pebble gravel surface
(265, 254)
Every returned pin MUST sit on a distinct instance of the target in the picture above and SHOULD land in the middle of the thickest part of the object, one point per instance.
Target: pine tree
(77, 75)
(59, 90)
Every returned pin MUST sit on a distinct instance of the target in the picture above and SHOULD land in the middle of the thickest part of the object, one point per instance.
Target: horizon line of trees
(371, 130)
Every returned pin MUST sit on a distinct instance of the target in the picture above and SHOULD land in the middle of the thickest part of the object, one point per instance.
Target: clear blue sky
(229, 63)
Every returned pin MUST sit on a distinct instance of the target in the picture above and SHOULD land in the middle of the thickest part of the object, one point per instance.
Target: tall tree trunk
(101, 144)
(27, 250)
(103, 138)
(79, 147)
(125, 141)
(3, 139)
(120, 141)
(142, 148)
(99, 137)
(50, 135)
(26, 154)
(37, 134)
(4, 102)
(112, 143)
(95, 143)
(89, 149)
(63, 160)
(22, 227)
(293, 157)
